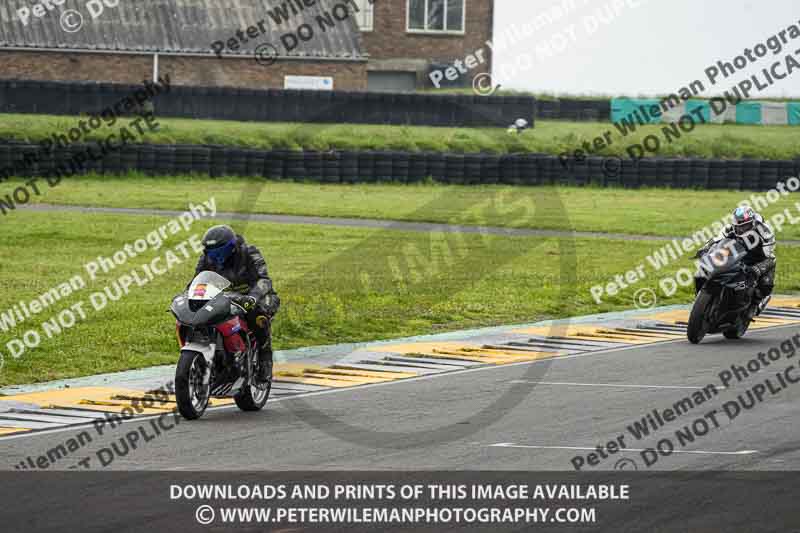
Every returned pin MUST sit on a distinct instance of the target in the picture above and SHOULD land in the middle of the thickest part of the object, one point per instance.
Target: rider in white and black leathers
(227, 254)
(749, 227)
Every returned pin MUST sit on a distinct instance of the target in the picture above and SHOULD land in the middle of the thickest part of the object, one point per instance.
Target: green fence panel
(698, 107)
(748, 113)
(629, 109)
(794, 113)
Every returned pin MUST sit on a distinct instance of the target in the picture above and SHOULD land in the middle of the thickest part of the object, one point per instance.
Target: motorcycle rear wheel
(698, 324)
(191, 393)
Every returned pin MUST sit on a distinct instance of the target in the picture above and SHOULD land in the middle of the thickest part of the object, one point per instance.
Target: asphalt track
(525, 416)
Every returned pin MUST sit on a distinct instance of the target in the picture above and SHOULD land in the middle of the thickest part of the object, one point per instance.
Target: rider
(750, 228)
(227, 254)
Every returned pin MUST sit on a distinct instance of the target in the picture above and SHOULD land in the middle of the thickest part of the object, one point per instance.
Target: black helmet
(219, 243)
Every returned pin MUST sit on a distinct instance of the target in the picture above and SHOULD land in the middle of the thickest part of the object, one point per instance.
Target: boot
(763, 304)
(264, 337)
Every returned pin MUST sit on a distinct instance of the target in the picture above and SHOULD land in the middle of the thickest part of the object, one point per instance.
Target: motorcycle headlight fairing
(720, 257)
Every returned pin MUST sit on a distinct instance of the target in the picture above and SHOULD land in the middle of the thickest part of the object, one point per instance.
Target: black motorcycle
(219, 353)
(725, 300)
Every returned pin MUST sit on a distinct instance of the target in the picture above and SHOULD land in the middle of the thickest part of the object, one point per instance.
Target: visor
(220, 254)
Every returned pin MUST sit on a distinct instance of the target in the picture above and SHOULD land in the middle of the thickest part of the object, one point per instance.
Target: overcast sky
(655, 48)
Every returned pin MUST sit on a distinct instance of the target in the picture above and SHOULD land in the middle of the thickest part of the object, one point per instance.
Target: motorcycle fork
(713, 310)
(252, 357)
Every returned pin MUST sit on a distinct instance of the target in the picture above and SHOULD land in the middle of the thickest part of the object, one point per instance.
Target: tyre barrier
(730, 175)
(490, 169)
(275, 164)
(165, 159)
(112, 163)
(255, 163)
(454, 168)
(366, 166)
(751, 172)
(683, 174)
(147, 160)
(402, 167)
(698, 173)
(128, 156)
(718, 175)
(769, 174)
(273, 105)
(665, 172)
(648, 176)
(295, 166)
(237, 161)
(529, 172)
(331, 167)
(349, 166)
(353, 107)
(437, 166)
(313, 164)
(218, 161)
(184, 162)
(574, 110)
(629, 174)
(508, 170)
(383, 166)
(417, 167)
(472, 169)
(550, 170)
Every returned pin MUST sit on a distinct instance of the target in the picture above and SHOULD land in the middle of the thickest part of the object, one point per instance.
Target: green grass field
(337, 285)
(666, 212)
(549, 137)
(348, 285)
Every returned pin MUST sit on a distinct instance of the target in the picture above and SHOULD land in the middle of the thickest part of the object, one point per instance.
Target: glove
(273, 304)
(248, 303)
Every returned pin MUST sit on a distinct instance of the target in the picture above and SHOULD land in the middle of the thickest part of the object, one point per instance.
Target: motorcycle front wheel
(737, 333)
(253, 397)
(698, 321)
(191, 389)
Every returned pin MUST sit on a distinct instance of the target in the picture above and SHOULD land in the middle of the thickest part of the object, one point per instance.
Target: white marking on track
(550, 360)
(588, 448)
(623, 385)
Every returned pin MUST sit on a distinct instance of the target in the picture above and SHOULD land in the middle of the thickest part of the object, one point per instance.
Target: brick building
(405, 38)
(344, 44)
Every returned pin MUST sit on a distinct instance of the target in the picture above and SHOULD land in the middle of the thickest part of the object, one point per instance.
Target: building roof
(175, 27)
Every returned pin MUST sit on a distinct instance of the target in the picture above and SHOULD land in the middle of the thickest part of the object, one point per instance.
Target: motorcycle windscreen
(725, 256)
(207, 285)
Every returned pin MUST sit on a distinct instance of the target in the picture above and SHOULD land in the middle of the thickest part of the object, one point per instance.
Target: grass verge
(663, 212)
(548, 137)
(337, 285)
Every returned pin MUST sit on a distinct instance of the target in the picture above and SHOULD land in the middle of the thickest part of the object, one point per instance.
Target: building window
(364, 15)
(436, 16)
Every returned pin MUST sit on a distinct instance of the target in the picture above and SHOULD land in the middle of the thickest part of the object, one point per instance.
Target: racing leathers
(760, 258)
(246, 269)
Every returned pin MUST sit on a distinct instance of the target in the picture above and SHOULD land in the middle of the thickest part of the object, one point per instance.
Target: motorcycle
(219, 353)
(725, 300)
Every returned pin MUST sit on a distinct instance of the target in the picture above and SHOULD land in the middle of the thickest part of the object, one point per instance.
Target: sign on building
(315, 83)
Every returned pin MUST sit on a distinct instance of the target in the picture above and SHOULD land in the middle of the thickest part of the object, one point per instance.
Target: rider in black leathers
(749, 227)
(229, 255)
